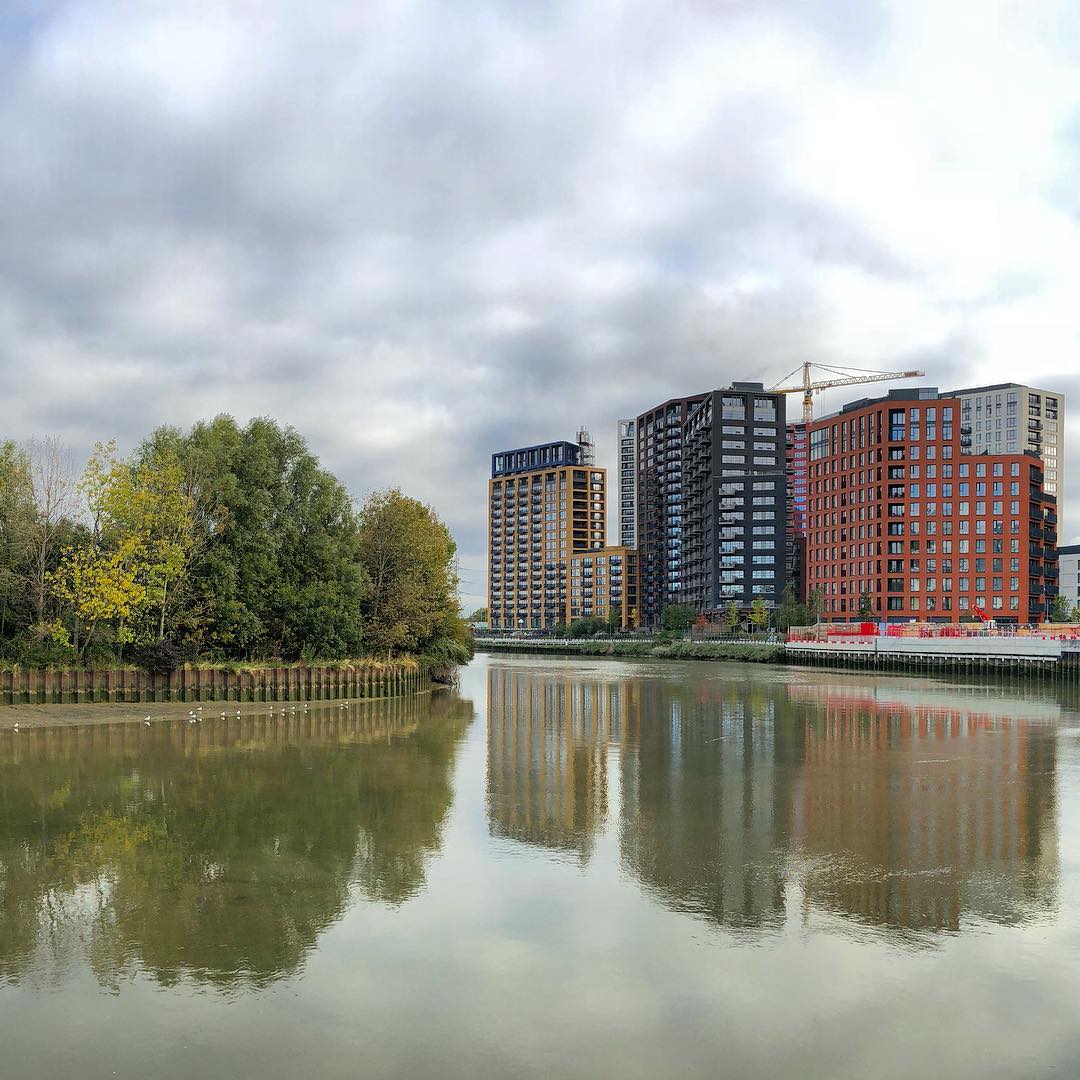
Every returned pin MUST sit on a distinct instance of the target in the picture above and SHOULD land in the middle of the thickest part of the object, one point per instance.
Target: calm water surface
(566, 869)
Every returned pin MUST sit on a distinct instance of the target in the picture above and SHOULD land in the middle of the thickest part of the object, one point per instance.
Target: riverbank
(362, 678)
(747, 652)
(1040, 658)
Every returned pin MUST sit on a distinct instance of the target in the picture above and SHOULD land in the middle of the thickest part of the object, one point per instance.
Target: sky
(420, 232)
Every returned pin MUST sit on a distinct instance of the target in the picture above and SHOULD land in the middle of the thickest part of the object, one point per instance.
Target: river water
(567, 868)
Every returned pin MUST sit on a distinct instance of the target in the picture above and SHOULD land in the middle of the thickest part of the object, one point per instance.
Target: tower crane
(836, 376)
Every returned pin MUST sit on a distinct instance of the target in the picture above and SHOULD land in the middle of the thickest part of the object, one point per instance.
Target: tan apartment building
(603, 579)
(544, 506)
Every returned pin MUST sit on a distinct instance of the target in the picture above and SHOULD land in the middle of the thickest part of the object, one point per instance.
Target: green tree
(678, 618)
(731, 616)
(759, 613)
(409, 558)
(866, 606)
(787, 611)
(277, 569)
(813, 605)
(17, 528)
(480, 615)
(614, 619)
(1060, 609)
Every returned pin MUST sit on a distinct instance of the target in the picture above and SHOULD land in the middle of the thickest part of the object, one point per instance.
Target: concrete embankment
(1045, 657)
(1042, 657)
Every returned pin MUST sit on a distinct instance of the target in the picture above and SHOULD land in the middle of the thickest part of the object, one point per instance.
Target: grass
(676, 650)
(407, 663)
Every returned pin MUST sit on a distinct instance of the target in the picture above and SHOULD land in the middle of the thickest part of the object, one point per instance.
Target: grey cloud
(420, 234)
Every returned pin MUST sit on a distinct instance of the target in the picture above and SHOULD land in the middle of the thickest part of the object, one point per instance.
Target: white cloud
(420, 233)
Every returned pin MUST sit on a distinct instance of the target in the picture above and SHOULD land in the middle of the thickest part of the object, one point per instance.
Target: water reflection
(754, 801)
(925, 807)
(218, 851)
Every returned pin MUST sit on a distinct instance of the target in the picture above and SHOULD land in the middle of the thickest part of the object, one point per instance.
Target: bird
(146, 723)
(16, 727)
(146, 719)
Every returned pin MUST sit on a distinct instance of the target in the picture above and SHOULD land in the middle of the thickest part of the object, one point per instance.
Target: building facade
(905, 525)
(602, 579)
(1008, 418)
(628, 483)
(1069, 573)
(797, 460)
(659, 505)
(543, 506)
(734, 499)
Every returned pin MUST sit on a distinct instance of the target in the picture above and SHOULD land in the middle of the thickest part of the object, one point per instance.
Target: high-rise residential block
(904, 525)
(797, 459)
(734, 499)
(628, 483)
(1009, 418)
(543, 506)
(1069, 573)
(603, 579)
(659, 505)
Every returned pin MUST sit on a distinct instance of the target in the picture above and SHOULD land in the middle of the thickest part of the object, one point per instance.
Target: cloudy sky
(421, 231)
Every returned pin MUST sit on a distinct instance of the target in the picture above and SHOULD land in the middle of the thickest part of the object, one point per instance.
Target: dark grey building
(734, 499)
(659, 506)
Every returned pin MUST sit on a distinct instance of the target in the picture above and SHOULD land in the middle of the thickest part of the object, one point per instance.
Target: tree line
(222, 543)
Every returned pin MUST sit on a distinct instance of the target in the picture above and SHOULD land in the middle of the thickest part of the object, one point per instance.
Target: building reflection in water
(217, 851)
(916, 808)
(547, 767)
(749, 801)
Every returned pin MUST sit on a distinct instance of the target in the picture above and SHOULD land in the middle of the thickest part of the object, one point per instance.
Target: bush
(160, 657)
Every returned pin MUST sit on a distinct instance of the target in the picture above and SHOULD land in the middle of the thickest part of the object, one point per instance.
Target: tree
(1060, 609)
(99, 585)
(587, 627)
(678, 618)
(409, 558)
(787, 612)
(276, 569)
(866, 606)
(813, 605)
(759, 613)
(614, 619)
(480, 615)
(17, 530)
(53, 483)
(731, 616)
(147, 503)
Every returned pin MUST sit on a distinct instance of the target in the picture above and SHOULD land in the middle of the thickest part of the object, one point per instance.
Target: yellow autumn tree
(143, 537)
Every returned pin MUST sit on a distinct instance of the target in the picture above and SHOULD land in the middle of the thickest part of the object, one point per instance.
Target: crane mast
(838, 376)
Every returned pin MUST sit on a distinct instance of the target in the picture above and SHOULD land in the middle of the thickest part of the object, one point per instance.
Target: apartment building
(1009, 418)
(627, 483)
(544, 505)
(659, 505)
(904, 521)
(796, 455)
(734, 499)
(1069, 571)
(602, 579)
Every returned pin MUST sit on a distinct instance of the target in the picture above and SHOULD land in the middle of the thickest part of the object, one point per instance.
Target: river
(567, 868)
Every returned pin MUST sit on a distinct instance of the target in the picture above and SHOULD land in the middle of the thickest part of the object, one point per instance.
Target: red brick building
(898, 516)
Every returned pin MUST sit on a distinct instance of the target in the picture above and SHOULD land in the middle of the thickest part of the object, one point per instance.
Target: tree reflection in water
(216, 851)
